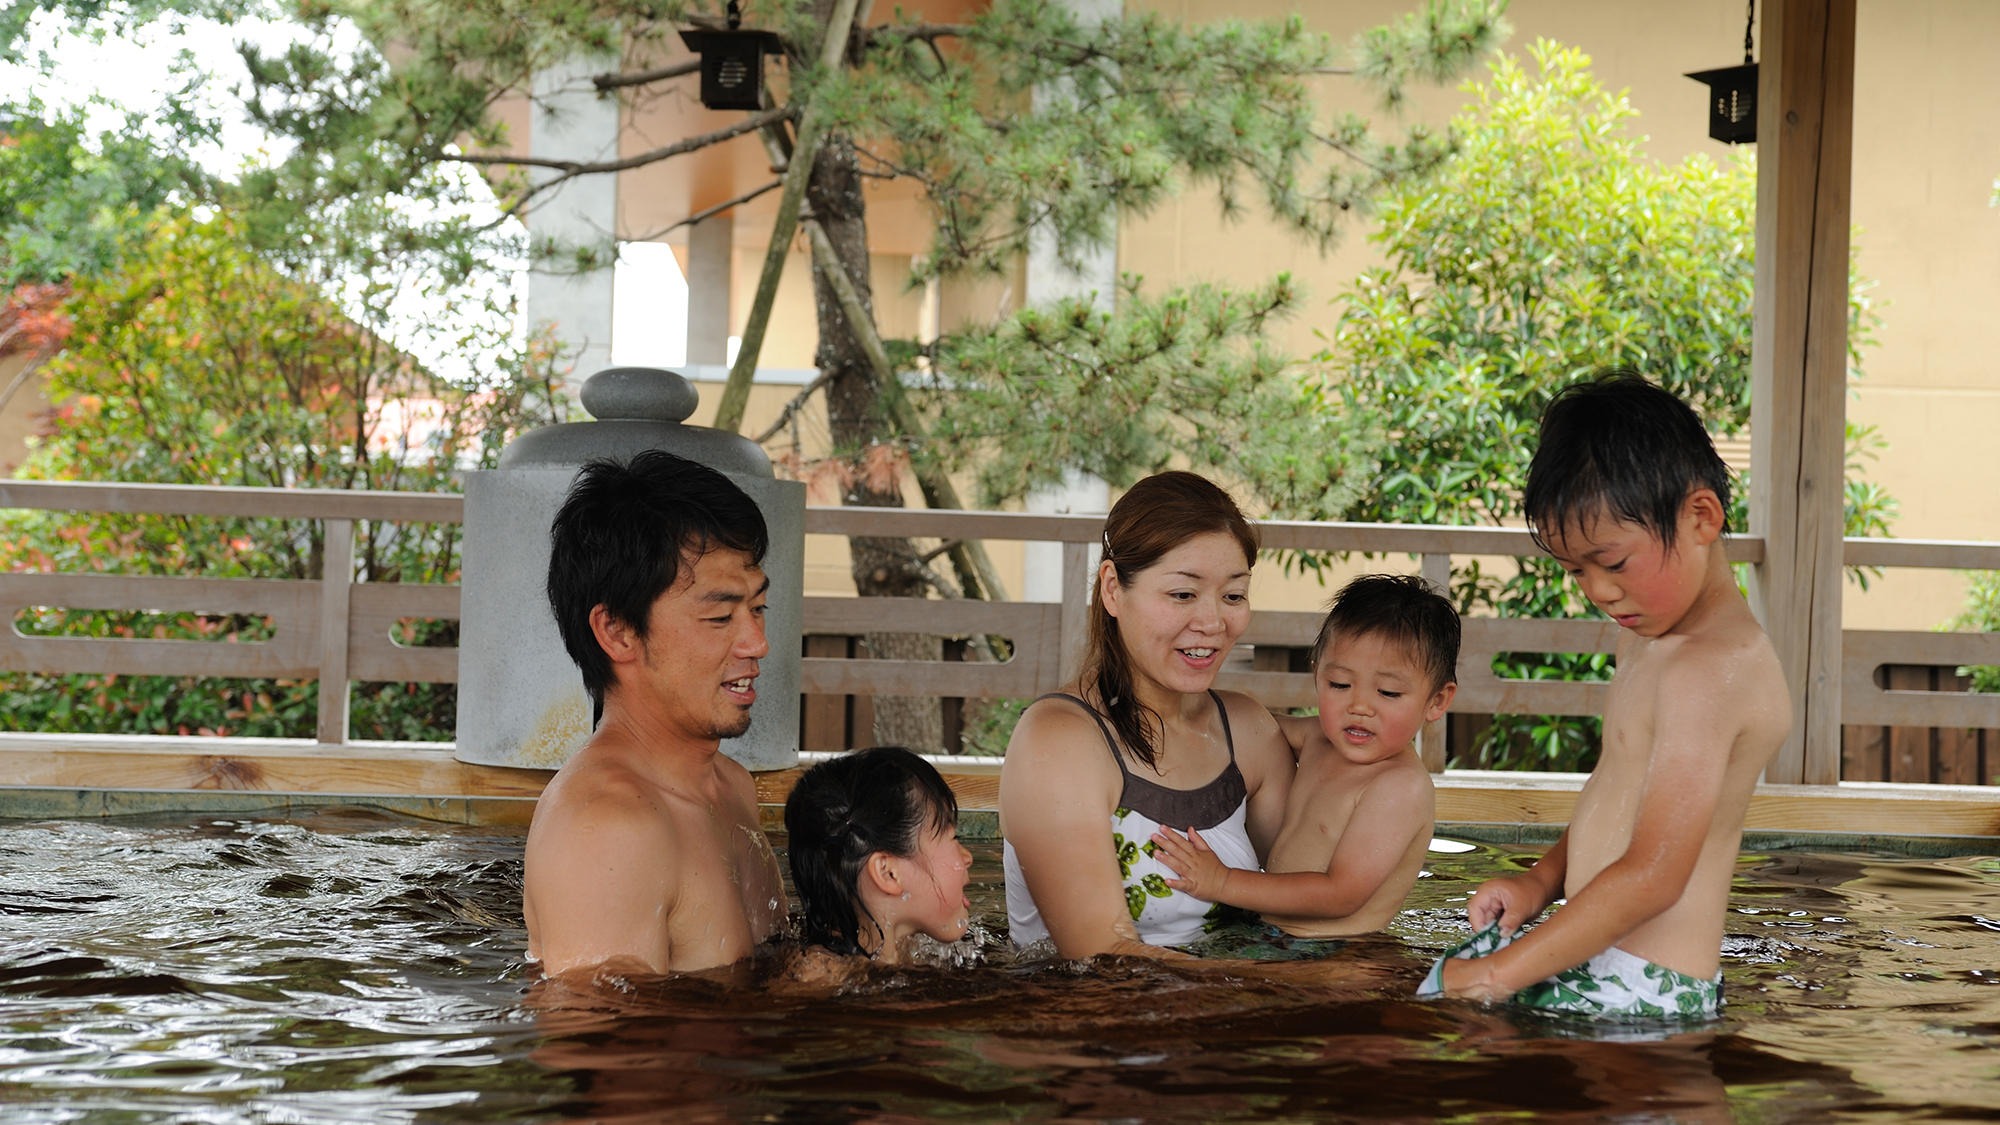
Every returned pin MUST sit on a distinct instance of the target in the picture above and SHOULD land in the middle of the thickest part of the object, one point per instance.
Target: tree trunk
(860, 425)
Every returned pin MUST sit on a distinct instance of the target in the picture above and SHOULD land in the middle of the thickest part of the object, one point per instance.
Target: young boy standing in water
(1359, 816)
(1627, 493)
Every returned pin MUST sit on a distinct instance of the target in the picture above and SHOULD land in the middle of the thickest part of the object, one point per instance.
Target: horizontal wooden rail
(216, 500)
(293, 607)
(1045, 638)
(1864, 701)
(1277, 535)
(293, 652)
(1935, 554)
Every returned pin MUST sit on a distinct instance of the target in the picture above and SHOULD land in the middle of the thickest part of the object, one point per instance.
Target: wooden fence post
(1076, 580)
(336, 582)
(1805, 119)
(1431, 741)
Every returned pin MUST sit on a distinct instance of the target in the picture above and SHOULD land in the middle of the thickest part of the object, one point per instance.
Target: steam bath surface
(353, 967)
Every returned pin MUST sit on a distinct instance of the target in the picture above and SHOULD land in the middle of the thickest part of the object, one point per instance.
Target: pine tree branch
(608, 82)
(573, 168)
(928, 32)
(709, 212)
(797, 403)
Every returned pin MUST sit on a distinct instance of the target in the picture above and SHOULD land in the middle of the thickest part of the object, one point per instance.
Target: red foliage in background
(32, 321)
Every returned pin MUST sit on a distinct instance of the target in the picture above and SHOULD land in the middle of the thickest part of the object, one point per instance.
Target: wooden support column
(336, 584)
(1805, 120)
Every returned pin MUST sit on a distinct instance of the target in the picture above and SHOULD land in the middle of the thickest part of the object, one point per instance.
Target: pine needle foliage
(1183, 378)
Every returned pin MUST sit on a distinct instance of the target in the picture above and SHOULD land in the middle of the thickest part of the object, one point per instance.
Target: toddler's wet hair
(1615, 444)
(1404, 610)
(844, 810)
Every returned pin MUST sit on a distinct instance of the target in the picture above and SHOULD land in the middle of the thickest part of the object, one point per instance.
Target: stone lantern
(520, 698)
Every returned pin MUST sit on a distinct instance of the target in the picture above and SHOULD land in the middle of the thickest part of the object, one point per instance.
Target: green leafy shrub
(1980, 615)
(196, 362)
(989, 724)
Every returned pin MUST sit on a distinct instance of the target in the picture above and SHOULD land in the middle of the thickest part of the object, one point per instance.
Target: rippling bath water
(354, 967)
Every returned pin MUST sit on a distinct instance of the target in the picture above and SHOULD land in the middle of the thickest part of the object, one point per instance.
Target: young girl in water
(875, 854)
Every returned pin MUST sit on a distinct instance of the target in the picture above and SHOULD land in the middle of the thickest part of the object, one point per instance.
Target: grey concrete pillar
(711, 260)
(1048, 281)
(570, 122)
(1042, 563)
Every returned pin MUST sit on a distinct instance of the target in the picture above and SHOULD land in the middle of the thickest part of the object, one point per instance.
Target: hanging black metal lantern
(732, 63)
(1732, 103)
(1732, 94)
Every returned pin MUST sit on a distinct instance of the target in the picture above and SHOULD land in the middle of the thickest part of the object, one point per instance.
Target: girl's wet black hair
(620, 538)
(846, 809)
(1616, 444)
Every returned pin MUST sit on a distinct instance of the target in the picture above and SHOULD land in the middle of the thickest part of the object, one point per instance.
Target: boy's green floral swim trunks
(1612, 985)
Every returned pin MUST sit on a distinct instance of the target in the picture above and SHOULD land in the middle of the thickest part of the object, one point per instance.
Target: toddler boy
(1626, 492)
(1358, 818)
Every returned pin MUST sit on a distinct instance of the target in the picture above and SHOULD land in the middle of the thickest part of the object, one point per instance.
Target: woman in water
(1141, 739)
(875, 854)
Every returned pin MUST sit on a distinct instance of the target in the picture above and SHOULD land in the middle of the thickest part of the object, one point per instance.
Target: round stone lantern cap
(636, 408)
(650, 394)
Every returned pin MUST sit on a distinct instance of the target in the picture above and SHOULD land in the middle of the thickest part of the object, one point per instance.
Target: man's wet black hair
(1402, 609)
(621, 536)
(844, 810)
(1615, 444)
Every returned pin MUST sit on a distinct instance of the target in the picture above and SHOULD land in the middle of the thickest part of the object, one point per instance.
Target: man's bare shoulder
(1732, 678)
(736, 778)
(595, 796)
(1402, 779)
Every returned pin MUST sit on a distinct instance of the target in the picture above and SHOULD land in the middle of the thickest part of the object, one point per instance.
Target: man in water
(645, 854)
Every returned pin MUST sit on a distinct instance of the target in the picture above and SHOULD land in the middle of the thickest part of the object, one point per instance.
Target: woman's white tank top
(1164, 916)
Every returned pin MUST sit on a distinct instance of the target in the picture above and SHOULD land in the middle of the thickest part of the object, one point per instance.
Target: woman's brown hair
(1155, 516)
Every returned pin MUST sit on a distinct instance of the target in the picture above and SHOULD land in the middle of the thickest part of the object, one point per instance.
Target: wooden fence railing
(340, 631)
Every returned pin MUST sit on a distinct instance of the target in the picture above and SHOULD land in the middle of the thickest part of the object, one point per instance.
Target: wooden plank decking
(35, 768)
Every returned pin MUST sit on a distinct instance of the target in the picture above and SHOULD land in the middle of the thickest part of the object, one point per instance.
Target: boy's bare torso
(1323, 800)
(1730, 670)
(673, 873)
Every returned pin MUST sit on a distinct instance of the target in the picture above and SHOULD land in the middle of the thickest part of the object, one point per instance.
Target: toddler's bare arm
(1388, 816)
